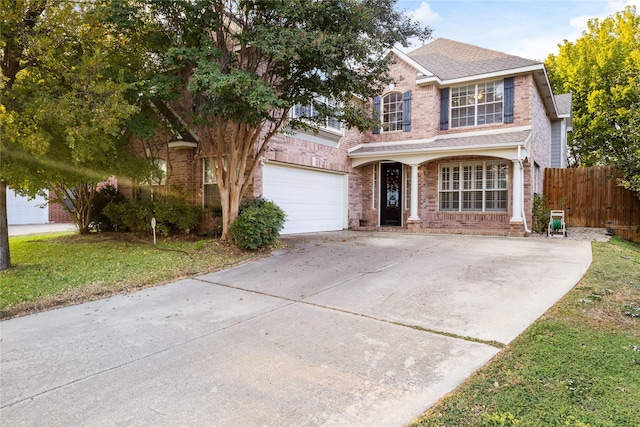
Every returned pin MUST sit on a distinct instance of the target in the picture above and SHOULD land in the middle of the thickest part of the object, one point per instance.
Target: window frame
(385, 115)
(309, 112)
(472, 98)
(208, 179)
(471, 187)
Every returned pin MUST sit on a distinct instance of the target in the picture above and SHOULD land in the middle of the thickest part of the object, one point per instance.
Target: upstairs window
(311, 112)
(478, 104)
(392, 112)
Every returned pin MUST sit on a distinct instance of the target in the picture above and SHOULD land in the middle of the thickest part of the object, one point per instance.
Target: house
(465, 136)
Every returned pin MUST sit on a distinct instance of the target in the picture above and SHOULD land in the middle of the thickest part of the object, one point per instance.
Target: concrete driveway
(321, 333)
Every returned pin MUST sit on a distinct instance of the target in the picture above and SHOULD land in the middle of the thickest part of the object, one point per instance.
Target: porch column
(517, 192)
(413, 212)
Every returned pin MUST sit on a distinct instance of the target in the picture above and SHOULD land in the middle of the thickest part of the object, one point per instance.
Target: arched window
(392, 112)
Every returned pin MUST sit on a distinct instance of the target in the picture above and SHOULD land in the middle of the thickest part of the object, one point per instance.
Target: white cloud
(613, 6)
(425, 14)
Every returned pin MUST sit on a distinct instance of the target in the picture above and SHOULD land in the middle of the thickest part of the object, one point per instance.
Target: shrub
(258, 224)
(99, 221)
(173, 215)
(541, 213)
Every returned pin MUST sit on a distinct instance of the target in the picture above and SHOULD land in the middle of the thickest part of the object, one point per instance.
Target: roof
(563, 101)
(449, 59)
(484, 141)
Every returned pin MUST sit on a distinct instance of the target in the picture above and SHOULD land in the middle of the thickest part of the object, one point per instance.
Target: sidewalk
(25, 230)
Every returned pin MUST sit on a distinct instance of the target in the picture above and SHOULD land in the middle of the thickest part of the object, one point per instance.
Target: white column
(413, 212)
(517, 192)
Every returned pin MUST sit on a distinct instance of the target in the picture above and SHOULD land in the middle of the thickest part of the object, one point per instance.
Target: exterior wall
(58, 214)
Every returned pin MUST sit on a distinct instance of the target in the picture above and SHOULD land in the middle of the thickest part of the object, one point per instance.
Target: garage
(314, 200)
(21, 210)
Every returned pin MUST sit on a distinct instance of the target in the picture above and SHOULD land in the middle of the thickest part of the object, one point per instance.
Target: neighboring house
(465, 136)
(24, 211)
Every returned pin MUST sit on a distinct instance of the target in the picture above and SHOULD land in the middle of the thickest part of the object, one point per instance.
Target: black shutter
(376, 113)
(444, 108)
(406, 113)
(508, 100)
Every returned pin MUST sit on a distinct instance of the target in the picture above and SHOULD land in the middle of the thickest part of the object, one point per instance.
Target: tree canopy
(602, 70)
(245, 64)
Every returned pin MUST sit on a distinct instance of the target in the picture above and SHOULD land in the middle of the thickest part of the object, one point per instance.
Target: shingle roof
(485, 140)
(449, 59)
(563, 102)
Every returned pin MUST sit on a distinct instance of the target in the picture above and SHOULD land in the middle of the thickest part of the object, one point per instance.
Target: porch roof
(509, 144)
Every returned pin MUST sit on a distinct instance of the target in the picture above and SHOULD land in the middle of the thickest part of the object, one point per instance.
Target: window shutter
(444, 108)
(406, 113)
(508, 100)
(376, 112)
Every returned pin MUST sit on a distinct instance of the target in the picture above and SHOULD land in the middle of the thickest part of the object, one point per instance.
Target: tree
(70, 83)
(602, 70)
(245, 64)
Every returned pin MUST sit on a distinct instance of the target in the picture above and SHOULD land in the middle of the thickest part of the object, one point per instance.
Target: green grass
(60, 269)
(579, 365)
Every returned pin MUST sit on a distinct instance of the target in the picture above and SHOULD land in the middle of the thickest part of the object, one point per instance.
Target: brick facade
(185, 165)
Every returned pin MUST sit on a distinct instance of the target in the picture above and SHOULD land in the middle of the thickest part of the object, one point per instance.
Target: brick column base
(414, 224)
(516, 229)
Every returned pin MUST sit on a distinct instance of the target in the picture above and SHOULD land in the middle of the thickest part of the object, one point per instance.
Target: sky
(531, 29)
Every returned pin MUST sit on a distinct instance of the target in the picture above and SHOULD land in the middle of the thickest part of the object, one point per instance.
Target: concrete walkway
(318, 334)
(29, 229)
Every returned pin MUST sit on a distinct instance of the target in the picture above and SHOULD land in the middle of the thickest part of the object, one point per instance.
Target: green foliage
(172, 214)
(275, 55)
(500, 419)
(99, 221)
(541, 213)
(602, 70)
(258, 224)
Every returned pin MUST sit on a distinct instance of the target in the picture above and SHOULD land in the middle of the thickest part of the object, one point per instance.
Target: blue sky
(531, 29)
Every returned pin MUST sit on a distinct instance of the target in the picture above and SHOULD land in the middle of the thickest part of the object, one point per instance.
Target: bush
(258, 224)
(173, 215)
(99, 221)
(541, 213)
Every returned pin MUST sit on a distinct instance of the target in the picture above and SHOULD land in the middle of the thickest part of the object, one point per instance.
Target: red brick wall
(58, 214)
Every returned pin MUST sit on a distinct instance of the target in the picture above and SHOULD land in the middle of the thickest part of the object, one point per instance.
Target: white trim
(443, 137)
(477, 77)
(411, 62)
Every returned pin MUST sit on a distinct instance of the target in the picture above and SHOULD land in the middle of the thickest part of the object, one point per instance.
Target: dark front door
(391, 194)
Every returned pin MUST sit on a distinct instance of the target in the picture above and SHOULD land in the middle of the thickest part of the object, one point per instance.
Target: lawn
(579, 365)
(59, 269)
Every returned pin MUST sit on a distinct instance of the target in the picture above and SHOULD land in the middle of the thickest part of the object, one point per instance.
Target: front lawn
(55, 270)
(579, 365)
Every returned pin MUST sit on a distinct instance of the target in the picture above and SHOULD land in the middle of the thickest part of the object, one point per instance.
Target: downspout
(524, 216)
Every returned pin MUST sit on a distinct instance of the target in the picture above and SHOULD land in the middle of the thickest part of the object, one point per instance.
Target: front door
(391, 194)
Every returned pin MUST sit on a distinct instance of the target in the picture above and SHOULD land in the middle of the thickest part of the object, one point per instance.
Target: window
(151, 187)
(392, 112)
(407, 187)
(473, 186)
(210, 192)
(476, 105)
(311, 112)
(374, 187)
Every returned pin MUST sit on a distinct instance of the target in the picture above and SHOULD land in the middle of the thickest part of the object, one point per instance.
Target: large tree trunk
(5, 256)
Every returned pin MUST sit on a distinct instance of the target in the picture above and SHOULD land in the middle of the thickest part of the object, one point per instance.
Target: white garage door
(313, 200)
(21, 210)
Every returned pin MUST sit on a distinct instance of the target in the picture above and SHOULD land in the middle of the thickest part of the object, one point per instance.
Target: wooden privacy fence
(591, 197)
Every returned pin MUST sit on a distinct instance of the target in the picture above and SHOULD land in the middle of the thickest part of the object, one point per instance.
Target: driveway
(339, 329)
